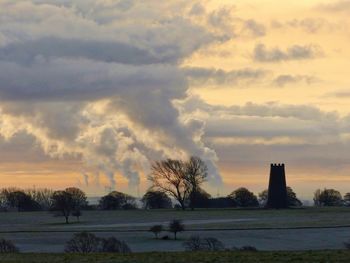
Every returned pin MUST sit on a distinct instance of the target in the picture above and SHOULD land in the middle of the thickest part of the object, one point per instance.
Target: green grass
(186, 257)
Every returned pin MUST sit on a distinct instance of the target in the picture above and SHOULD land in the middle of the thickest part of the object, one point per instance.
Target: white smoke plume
(98, 80)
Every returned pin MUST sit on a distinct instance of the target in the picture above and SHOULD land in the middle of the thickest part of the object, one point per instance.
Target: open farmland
(185, 257)
(294, 229)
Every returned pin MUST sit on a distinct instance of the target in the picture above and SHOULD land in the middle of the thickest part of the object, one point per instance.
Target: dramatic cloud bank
(97, 80)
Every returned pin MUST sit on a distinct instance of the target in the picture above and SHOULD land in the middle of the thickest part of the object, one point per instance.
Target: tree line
(171, 180)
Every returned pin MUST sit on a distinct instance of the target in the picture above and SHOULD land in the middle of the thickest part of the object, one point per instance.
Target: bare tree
(79, 200)
(168, 176)
(175, 227)
(42, 196)
(63, 202)
(195, 175)
(182, 180)
(156, 229)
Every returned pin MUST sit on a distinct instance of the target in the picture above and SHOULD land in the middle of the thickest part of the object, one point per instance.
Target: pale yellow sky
(268, 82)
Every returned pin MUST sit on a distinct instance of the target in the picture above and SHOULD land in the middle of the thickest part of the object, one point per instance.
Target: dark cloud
(51, 47)
(66, 79)
(295, 52)
(98, 80)
(272, 109)
(201, 76)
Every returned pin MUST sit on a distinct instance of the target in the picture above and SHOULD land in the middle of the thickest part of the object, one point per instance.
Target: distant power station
(277, 193)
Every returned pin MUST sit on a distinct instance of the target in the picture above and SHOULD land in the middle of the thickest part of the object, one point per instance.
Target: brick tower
(277, 193)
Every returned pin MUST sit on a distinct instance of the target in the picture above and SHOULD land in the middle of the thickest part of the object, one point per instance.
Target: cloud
(341, 94)
(283, 80)
(210, 76)
(253, 135)
(97, 81)
(256, 29)
(335, 6)
(296, 52)
(197, 9)
(312, 25)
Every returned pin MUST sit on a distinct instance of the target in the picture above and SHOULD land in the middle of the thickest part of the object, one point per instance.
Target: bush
(113, 245)
(213, 244)
(196, 243)
(7, 246)
(83, 242)
(156, 229)
(248, 248)
(347, 245)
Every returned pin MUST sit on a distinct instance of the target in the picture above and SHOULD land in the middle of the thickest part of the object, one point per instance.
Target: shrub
(113, 245)
(248, 248)
(347, 245)
(176, 226)
(196, 243)
(7, 246)
(156, 229)
(213, 244)
(83, 242)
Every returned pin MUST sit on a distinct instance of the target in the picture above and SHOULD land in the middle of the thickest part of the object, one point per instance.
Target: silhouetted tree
(78, 196)
(175, 227)
(201, 199)
(242, 197)
(7, 246)
(77, 213)
(21, 201)
(168, 176)
(220, 202)
(156, 229)
(292, 199)
(156, 200)
(42, 196)
(347, 199)
(181, 180)
(63, 202)
(113, 245)
(327, 197)
(79, 201)
(196, 173)
(83, 242)
(117, 200)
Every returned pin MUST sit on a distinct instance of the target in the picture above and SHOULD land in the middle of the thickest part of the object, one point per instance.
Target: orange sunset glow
(92, 94)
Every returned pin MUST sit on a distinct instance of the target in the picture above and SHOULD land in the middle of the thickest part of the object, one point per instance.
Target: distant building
(277, 193)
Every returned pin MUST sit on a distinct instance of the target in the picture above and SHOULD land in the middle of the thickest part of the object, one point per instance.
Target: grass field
(293, 229)
(187, 257)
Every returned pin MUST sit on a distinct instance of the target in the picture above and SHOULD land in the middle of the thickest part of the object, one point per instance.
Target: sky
(93, 91)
